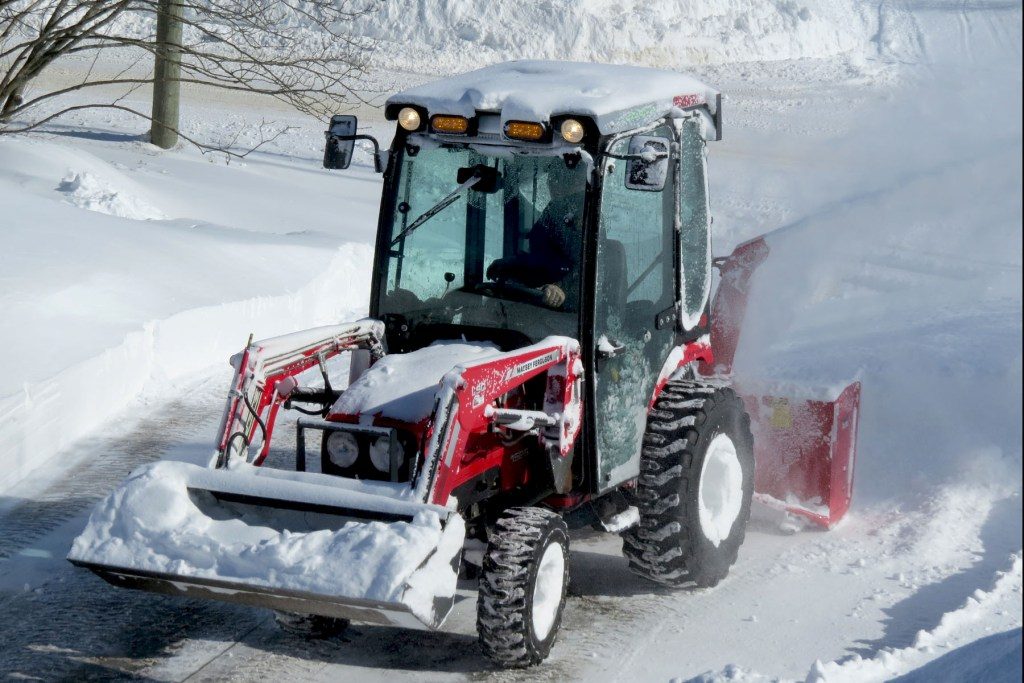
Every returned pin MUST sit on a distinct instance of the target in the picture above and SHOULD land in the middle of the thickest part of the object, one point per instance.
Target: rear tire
(312, 626)
(522, 587)
(695, 486)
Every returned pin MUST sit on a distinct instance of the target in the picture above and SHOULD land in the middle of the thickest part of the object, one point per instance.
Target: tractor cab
(508, 217)
(583, 214)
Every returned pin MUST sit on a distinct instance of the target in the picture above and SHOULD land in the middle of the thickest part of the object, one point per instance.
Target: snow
(968, 658)
(88, 191)
(104, 302)
(532, 90)
(621, 521)
(403, 386)
(450, 36)
(151, 523)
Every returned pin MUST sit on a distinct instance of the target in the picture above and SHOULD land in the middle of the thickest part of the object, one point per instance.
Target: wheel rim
(547, 589)
(720, 493)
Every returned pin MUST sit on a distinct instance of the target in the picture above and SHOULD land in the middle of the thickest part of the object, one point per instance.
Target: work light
(409, 118)
(572, 130)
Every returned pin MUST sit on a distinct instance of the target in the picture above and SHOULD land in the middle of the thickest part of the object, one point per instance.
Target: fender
(464, 406)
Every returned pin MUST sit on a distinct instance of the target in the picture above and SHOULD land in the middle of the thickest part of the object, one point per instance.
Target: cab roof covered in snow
(615, 98)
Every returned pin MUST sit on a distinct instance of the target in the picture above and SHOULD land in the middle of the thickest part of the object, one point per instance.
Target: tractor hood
(401, 387)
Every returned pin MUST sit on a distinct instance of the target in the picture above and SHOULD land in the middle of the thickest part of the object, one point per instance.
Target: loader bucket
(292, 541)
(805, 445)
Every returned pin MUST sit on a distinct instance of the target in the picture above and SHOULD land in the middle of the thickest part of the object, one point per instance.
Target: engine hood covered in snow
(402, 386)
(616, 97)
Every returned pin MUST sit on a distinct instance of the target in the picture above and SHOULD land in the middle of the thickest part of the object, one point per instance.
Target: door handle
(608, 348)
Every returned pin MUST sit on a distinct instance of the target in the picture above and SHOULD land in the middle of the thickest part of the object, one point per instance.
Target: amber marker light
(572, 130)
(450, 125)
(524, 130)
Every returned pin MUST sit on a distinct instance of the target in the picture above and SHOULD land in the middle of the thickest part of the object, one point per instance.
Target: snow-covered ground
(883, 141)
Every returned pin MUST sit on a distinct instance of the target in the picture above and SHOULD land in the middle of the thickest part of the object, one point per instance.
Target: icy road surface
(895, 179)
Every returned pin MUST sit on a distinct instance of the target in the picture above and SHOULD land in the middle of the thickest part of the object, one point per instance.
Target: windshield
(502, 252)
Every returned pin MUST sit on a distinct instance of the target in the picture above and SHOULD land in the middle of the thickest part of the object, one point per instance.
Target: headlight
(409, 118)
(572, 130)
(380, 454)
(342, 448)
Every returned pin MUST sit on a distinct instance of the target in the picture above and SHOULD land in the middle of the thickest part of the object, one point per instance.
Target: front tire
(522, 586)
(695, 486)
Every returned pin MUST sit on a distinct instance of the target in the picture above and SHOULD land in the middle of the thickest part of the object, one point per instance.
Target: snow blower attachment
(804, 437)
(544, 350)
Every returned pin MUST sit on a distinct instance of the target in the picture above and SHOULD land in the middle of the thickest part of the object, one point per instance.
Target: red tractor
(543, 350)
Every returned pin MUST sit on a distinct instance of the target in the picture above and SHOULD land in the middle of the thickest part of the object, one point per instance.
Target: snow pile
(151, 523)
(403, 386)
(972, 652)
(889, 664)
(100, 309)
(993, 659)
(87, 191)
(427, 36)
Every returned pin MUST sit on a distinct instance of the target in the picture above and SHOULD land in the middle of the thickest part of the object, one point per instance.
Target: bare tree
(302, 52)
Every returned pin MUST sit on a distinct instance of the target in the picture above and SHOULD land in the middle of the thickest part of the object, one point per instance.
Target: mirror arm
(635, 157)
(377, 165)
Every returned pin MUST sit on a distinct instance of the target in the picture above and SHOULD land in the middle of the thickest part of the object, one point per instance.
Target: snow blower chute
(544, 351)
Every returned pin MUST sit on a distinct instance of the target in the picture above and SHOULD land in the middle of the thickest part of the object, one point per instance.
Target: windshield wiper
(440, 206)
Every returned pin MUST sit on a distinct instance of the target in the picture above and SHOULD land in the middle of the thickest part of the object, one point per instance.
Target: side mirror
(647, 167)
(340, 141)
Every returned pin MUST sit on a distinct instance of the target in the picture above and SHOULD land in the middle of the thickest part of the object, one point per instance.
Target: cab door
(635, 297)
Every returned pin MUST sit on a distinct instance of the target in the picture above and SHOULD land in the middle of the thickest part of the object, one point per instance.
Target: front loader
(543, 350)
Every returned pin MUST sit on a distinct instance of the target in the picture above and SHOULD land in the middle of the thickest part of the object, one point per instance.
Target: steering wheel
(510, 290)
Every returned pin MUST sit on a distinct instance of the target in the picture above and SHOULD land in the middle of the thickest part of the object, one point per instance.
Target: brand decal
(527, 366)
(691, 100)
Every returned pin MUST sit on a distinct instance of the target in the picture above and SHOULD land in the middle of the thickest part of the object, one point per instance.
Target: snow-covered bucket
(293, 541)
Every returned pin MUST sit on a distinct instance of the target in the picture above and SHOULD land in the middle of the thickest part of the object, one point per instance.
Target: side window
(695, 238)
(635, 241)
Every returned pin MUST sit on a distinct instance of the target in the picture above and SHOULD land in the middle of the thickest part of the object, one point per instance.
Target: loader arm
(465, 405)
(261, 381)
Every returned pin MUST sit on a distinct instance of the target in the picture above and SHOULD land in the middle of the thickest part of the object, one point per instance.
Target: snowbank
(959, 648)
(103, 301)
(951, 630)
(429, 37)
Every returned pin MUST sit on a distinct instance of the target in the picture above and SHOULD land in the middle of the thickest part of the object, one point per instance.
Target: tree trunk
(12, 103)
(167, 74)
